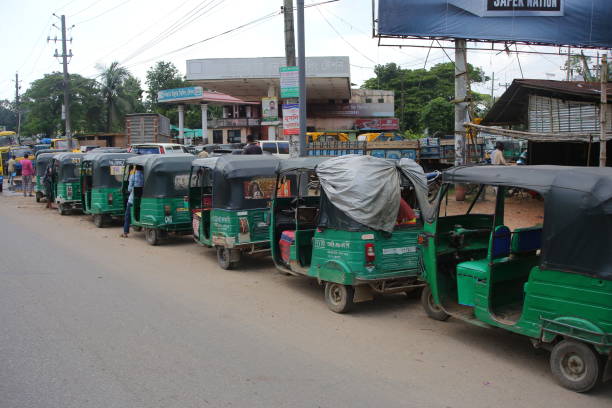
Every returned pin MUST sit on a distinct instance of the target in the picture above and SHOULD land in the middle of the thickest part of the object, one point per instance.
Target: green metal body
(338, 256)
(232, 228)
(108, 201)
(68, 194)
(166, 213)
(38, 185)
(512, 292)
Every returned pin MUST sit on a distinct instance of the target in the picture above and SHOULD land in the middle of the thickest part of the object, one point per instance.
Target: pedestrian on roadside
(27, 171)
(136, 180)
(497, 158)
(48, 183)
(12, 170)
(252, 147)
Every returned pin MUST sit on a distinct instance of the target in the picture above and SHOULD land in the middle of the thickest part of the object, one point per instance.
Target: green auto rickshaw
(336, 220)
(229, 200)
(101, 184)
(43, 158)
(66, 175)
(160, 206)
(550, 281)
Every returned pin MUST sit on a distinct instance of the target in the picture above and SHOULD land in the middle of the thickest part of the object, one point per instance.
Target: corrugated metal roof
(511, 107)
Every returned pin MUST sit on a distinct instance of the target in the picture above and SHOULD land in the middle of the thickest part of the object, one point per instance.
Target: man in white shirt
(497, 158)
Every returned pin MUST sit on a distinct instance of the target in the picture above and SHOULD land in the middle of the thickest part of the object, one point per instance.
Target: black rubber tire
(576, 366)
(433, 310)
(151, 236)
(98, 220)
(339, 297)
(38, 196)
(223, 258)
(61, 209)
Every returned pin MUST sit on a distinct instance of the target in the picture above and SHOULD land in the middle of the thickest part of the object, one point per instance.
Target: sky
(137, 33)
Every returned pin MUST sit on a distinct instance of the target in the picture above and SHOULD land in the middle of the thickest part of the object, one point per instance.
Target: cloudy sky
(139, 32)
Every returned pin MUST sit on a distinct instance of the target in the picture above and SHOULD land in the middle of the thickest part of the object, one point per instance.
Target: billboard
(269, 109)
(377, 124)
(578, 23)
(291, 119)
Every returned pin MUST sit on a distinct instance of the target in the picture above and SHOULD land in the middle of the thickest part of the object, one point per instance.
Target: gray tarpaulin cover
(367, 189)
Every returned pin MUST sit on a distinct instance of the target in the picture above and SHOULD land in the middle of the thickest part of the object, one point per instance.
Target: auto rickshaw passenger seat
(500, 247)
(526, 240)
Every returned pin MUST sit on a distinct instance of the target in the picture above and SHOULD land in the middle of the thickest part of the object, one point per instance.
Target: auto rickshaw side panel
(106, 201)
(167, 213)
(396, 256)
(231, 228)
(68, 192)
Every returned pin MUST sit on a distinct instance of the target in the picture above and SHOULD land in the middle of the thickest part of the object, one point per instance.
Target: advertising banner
(377, 124)
(178, 94)
(291, 119)
(578, 23)
(269, 109)
(353, 110)
(289, 82)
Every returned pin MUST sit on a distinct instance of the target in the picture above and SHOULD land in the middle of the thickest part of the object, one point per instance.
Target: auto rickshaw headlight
(370, 253)
(167, 210)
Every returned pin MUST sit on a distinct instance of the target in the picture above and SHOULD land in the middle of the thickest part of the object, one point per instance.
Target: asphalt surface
(88, 319)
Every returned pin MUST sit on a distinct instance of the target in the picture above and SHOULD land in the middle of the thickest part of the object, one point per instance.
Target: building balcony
(231, 122)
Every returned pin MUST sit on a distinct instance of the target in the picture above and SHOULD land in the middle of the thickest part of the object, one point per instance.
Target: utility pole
(289, 33)
(461, 104)
(17, 108)
(65, 55)
(302, 75)
(603, 112)
(493, 88)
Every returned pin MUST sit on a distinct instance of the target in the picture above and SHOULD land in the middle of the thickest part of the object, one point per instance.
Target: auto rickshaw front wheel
(432, 309)
(152, 236)
(339, 297)
(576, 366)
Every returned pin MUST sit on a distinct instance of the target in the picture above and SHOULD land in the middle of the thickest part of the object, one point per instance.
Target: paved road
(91, 320)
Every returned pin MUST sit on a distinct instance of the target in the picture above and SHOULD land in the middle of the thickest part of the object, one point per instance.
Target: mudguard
(335, 271)
(576, 328)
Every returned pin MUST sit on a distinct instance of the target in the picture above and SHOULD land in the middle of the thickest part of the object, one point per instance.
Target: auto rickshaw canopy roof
(300, 163)
(577, 211)
(231, 172)
(53, 151)
(42, 160)
(367, 189)
(165, 175)
(102, 164)
(68, 163)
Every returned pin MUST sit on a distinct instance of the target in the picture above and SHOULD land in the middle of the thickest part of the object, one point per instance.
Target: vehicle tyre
(339, 298)
(431, 308)
(152, 236)
(575, 366)
(98, 220)
(38, 196)
(61, 209)
(224, 258)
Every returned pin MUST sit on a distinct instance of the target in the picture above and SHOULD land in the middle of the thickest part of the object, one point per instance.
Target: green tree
(438, 116)
(121, 93)
(8, 116)
(415, 89)
(162, 75)
(42, 104)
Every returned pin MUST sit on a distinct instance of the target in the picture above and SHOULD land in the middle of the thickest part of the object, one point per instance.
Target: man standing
(252, 147)
(136, 180)
(27, 171)
(497, 158)
(12, 171)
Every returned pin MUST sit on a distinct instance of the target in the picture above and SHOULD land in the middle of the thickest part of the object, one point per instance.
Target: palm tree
(112, 81)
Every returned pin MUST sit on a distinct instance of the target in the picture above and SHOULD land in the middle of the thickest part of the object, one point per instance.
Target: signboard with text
(180, 94)
(377, 124)
(291, 119)
(269, 109)
(577, 23)
(289, 82)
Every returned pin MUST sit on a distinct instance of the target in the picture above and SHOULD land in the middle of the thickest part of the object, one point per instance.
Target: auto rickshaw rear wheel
(61, 209)
(224, 258)
(98, 220)
(432, 309)
(152, 236)
(339, 297)
(575, 365)
(38, 196)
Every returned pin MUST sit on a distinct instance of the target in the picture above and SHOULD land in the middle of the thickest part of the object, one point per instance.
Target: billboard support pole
(603, 111)
(302, 74)
(461, 108)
